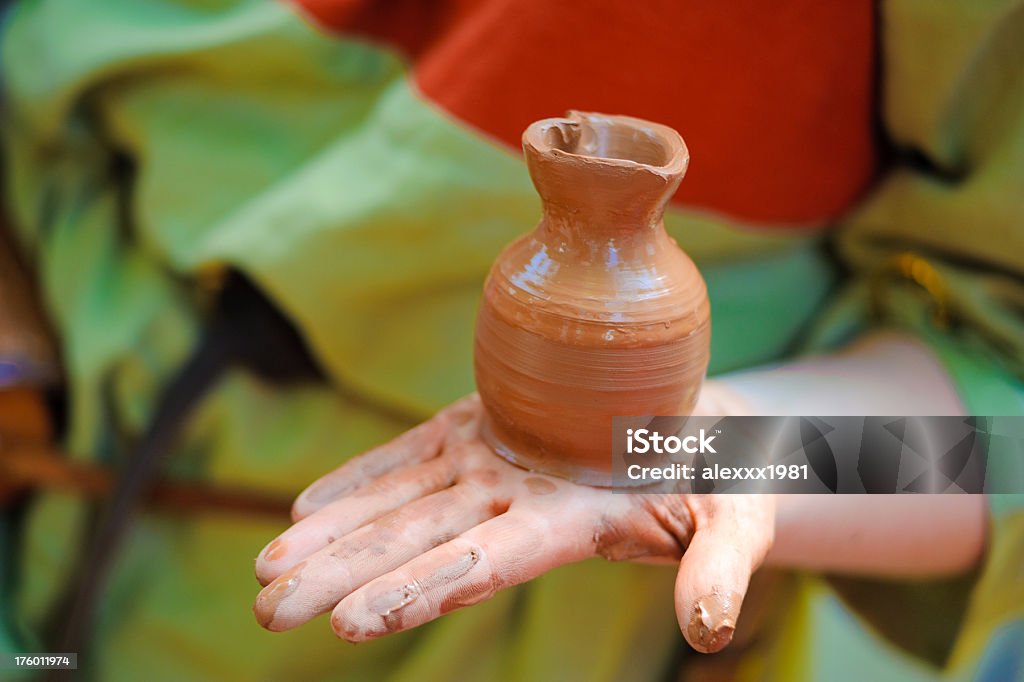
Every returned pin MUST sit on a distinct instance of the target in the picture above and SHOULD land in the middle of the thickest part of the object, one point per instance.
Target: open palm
(434, 521)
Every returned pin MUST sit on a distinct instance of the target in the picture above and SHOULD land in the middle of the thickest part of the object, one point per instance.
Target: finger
(343, 516)
(505, 551)
(417, 445)
(732, 537)
(317, 584)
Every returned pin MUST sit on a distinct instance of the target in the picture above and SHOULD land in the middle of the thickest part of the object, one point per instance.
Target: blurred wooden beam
(31, 465)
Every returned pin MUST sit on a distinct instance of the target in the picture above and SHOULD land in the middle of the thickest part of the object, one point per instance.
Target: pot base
(533, 459)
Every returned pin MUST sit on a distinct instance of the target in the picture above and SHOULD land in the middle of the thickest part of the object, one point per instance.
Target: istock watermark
(642, 441)
(871, 454)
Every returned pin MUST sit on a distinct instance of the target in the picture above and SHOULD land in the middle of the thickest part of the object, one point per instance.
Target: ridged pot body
(597, 312)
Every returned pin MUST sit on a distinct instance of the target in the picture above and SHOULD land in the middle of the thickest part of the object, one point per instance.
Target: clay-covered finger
(417, 445)
(505, 551)
(733, 534)
(316, 584)
(341, 517)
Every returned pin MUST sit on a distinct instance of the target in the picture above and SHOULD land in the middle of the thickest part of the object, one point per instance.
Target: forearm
(885, 535)
(880, 535)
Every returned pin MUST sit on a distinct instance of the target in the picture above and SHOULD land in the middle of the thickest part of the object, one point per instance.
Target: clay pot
(597, 312)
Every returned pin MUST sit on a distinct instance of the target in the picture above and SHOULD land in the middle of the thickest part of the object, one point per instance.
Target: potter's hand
(435, 521)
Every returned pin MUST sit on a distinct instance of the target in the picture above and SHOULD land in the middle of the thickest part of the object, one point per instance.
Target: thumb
(733, 534)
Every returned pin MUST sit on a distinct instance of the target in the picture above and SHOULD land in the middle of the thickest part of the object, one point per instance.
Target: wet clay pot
(597, 312)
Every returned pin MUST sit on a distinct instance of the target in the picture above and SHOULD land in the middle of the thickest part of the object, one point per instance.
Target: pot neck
(603, 177)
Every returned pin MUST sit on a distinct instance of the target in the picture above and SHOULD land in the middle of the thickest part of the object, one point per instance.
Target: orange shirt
(774, 98)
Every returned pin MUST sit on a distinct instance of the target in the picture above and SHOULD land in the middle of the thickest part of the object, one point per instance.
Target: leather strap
(245, 330)
(27, 356)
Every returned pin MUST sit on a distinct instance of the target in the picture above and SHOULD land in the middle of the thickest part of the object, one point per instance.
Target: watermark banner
(881, 455)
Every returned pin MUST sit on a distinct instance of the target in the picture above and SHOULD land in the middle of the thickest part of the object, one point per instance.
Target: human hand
(434, 521)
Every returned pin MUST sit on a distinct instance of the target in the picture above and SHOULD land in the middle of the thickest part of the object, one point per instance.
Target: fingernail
(269, 600)
(713, 621)
(275, 550)
(272, 552)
